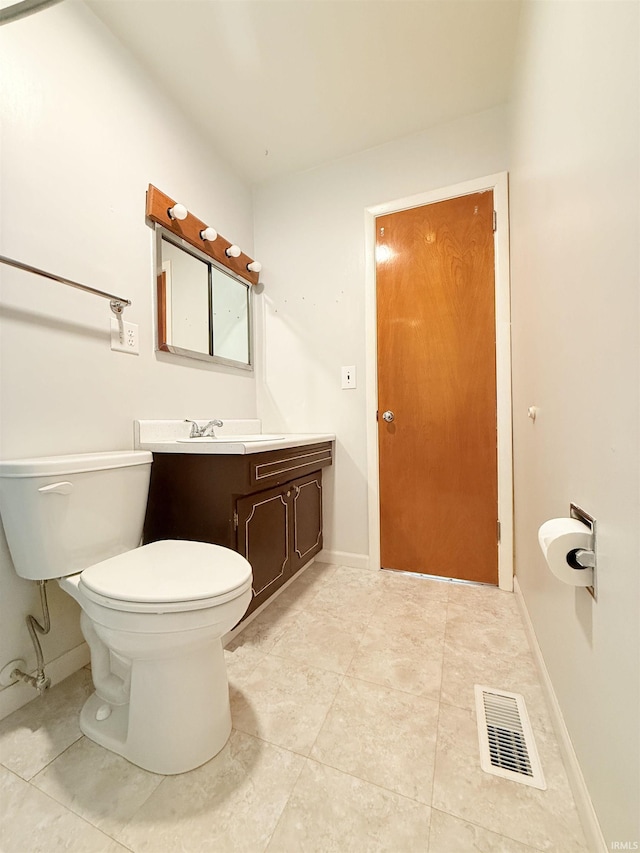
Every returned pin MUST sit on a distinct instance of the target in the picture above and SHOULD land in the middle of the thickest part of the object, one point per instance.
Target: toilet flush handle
(63, 488)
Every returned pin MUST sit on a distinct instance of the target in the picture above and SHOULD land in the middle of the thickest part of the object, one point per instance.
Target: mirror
(204, 310)
(230, 317)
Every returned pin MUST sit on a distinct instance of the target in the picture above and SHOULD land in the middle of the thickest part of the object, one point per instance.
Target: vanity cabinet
(278, 531)
(267, 506)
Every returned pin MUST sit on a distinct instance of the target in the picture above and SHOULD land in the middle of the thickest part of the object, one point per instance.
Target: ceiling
(284, 85)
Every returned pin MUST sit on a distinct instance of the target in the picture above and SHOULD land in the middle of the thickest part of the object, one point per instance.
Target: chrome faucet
(209, 429)
(206, 431)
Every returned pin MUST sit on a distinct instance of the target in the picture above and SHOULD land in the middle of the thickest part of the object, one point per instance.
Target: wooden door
(437, 375)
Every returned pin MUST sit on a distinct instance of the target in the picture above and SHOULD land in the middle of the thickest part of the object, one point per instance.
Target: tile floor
(354, 730)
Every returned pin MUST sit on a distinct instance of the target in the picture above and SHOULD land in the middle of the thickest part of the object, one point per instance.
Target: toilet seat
(167, 576)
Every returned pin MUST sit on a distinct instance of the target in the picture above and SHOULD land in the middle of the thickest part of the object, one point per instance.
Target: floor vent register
(507, 744)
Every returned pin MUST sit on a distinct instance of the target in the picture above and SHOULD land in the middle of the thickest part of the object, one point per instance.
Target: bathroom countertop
(172, 437)
(229, 446)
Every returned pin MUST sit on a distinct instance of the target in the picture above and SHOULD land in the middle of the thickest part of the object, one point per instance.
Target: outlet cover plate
(129, 342)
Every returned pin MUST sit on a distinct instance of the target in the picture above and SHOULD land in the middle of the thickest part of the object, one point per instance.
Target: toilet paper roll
(559, 538)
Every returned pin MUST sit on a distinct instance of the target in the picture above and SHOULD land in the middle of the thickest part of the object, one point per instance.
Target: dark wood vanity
(267, 506)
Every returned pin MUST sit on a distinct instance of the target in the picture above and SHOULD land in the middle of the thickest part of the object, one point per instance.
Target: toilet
(152, 615)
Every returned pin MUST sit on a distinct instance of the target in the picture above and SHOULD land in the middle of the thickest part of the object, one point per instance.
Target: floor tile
(232, 803)
(34, 823)
(263, 632)
(397, 611)
(409, 660)
(501, 608)
(332, 811)
(318, 760)
(241, 662)
(382, 736)
(284, 702)
(413, 585)
(462, 671)
(321, 639)
(35, 734)
(349, 577)
(100, 786)
(482, 596)
(451, 835)
(477, 637)
(349, 594)
(324, 565)
(300, 594)
(546, 820)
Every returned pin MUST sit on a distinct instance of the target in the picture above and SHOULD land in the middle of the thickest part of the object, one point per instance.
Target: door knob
(388, 416)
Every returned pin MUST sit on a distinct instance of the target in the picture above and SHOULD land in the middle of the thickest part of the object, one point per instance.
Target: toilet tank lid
(168, 570)
(77, 463)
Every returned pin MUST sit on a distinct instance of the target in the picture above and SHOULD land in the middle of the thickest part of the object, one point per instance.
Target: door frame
(499, 183)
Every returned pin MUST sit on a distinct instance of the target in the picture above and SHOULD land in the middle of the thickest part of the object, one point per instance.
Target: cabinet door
(307, 519)
(264, 536)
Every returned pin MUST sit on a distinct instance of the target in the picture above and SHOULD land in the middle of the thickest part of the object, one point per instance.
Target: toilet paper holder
(583, 558)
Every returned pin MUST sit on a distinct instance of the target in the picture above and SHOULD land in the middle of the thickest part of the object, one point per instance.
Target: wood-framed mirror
(204, 309)
(204, 284)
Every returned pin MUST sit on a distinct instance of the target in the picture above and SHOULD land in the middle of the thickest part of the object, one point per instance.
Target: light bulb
(178, 211)
(209, 234)
(254, 266)
(233, 252)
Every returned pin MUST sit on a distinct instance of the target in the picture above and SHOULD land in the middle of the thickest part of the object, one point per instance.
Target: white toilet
(153, 616)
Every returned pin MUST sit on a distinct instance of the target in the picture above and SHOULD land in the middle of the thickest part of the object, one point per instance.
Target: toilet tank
(64, 513)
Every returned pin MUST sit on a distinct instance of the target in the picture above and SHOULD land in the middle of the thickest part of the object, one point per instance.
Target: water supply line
(39, 680)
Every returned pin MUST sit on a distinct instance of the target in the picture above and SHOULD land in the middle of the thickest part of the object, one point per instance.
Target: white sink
(227, 439)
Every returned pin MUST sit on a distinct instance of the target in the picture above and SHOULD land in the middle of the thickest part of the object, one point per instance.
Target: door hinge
(235, 520)
(499, 526)
(495, 220)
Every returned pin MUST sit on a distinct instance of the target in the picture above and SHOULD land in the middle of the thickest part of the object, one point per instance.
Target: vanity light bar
(175, 217)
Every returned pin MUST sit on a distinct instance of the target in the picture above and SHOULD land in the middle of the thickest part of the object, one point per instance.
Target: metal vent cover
(507, 745)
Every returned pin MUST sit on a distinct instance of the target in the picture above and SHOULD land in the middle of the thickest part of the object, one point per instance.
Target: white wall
(310, 238)
(83, 134)
(574, 262)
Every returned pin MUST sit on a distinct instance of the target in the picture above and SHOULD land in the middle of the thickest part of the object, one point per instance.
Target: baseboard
(587, 813)
(344, 558)
(18, 694)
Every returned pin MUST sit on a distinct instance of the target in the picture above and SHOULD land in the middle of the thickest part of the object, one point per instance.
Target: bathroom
(86, 129)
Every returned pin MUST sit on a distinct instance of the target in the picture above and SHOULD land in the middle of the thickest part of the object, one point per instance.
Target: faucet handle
(196, 432)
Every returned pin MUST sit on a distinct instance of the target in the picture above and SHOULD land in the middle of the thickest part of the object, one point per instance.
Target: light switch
(349, 377)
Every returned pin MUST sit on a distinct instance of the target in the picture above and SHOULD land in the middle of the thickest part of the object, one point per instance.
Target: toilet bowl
(153, 616)
(162, 609)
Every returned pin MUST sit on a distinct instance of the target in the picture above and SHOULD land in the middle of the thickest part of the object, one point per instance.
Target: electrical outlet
(349, 377)
(129, 340)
